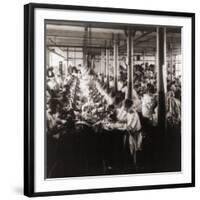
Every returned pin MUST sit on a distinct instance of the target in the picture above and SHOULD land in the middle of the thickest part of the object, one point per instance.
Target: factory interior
(113, 98)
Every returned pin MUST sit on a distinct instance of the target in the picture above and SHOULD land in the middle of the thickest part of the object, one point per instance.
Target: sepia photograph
(113, 98)
(109, 99)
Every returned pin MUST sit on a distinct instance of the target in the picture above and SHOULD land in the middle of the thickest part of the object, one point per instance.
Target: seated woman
(149, 103)
(136, 101)
(128, 119)
(111, 96)
(135, 136)
(173, 109)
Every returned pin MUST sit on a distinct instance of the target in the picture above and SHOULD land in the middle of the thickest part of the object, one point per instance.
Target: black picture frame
(29, 95)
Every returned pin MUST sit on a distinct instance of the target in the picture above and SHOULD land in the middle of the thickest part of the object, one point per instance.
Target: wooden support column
(66, 63)
(144, 56)
(161, 61)
(107, 68)
(47, 58)
(89, 56)
(74, 56)
(102, 65)
(171, 62)
(115, 64)
(85, 43)
(67, 57)
(130, 65)
(61, 69)
(93, 61)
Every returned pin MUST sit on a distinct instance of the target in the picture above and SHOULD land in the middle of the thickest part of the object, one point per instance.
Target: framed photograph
(108, 99)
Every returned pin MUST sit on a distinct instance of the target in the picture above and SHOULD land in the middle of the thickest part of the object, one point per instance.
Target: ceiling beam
(148, 39)
(57, 53)
(144, 35)
(76, 46)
